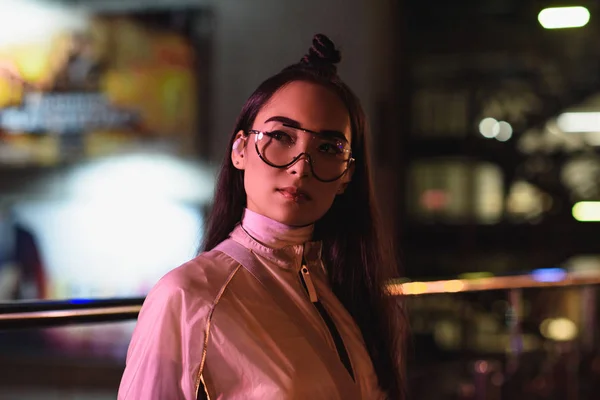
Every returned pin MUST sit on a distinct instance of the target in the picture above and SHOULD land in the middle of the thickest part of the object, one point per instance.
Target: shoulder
(195, 283)
(166, 346)
(209, 268)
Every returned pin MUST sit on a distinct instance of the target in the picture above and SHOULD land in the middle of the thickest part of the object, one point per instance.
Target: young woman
(288, 299)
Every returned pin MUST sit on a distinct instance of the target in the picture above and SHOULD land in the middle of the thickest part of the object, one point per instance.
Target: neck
(272, 233)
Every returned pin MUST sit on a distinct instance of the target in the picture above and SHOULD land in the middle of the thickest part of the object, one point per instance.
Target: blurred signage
(65, 112)
(113, 81)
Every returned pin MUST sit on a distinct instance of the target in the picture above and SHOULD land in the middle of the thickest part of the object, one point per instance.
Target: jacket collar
(282, 245)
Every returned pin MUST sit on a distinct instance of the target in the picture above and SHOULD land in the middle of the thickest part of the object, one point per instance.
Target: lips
(295, 194)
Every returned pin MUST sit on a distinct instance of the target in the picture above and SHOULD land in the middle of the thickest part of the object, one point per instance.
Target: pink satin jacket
(210, 326)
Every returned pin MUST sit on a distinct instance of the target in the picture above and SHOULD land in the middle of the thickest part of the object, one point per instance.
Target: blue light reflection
(549, 274)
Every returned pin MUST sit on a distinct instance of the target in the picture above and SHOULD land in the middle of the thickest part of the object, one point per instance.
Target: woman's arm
(161, 361)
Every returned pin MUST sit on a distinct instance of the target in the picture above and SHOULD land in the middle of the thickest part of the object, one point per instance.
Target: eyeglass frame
(304, 153)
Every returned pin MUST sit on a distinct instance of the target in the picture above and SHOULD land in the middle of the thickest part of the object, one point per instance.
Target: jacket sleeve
(162, 361)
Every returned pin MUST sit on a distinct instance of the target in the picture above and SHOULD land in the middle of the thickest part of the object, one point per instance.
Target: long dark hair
(358, 256)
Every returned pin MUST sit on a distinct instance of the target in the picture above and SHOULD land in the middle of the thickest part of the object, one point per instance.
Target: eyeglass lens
(282, 145)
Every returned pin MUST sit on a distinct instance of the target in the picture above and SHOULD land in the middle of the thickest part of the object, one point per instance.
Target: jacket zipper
(333, 331)
(308, 283)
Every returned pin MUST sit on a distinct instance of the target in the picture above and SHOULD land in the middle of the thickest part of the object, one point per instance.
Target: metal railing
(22, 314)
(483, 369)
(27, 314)
(528, 281)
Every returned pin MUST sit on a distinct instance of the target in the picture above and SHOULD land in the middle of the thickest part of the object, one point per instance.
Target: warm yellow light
(586, 211)
(559, 329)
(453, 286)
(564, 17)
(414, 288)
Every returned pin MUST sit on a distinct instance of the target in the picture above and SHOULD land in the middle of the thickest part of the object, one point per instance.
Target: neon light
(80, 301)
(549, 274)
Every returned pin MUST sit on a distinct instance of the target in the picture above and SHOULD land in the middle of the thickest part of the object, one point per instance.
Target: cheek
(257, 174)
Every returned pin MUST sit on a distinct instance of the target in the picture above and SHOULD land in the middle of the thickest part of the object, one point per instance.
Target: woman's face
(292, 195)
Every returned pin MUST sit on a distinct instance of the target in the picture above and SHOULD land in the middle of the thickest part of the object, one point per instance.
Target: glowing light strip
(564, 17)
(483, 284)
(56, 314)
(586, 211)
(571, 122)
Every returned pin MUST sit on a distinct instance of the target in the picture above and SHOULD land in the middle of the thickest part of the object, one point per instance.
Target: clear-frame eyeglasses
(329, 156)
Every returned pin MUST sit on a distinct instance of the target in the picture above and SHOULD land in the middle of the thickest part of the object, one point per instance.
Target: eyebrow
(296, 125)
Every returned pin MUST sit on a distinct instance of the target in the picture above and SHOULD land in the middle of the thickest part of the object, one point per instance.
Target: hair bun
(322, 54)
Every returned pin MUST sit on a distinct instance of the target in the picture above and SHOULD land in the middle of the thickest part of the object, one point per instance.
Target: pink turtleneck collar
(274, 234)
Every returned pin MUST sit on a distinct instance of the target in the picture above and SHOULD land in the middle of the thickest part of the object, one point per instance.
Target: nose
(302, 166)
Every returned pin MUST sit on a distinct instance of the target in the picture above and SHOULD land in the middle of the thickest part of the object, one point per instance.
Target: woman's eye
(330, 148)
(280, 136)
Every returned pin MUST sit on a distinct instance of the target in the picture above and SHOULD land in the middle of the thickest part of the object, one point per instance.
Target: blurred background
(115, 114)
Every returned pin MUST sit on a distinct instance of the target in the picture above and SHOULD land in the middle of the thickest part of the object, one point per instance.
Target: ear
(238, 151)
(346, 179)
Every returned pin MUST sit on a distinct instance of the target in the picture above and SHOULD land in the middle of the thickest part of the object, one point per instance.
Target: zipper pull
(310, 287)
